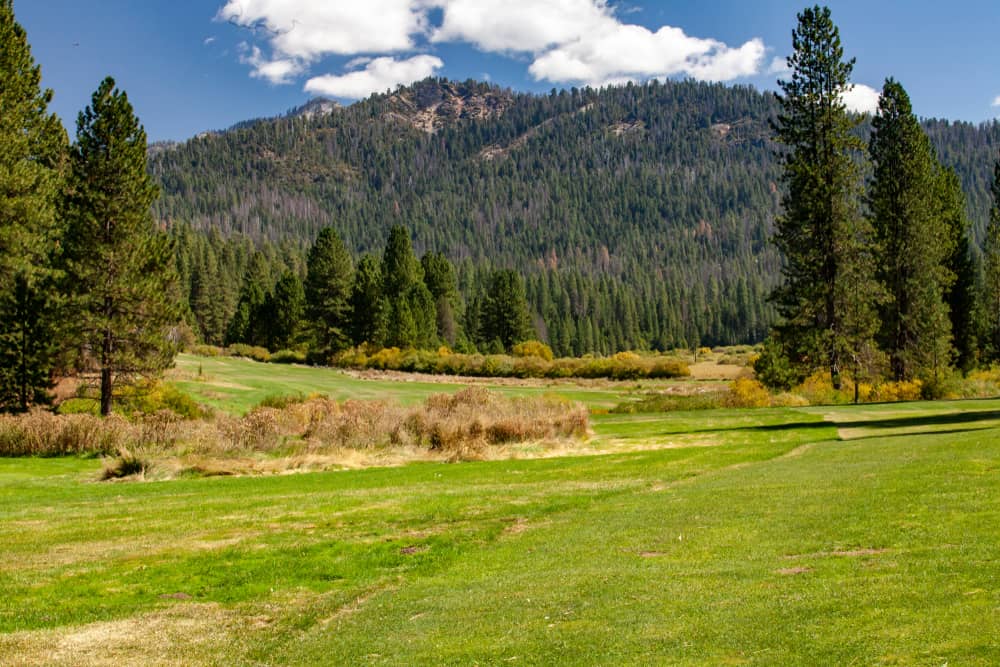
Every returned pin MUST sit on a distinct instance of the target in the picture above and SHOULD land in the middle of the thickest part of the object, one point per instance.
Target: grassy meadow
(841, 535)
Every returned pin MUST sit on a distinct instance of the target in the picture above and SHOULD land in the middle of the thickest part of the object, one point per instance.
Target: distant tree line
(638, 216)
(87, 281)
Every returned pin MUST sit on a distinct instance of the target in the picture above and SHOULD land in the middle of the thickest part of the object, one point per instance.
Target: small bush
(207, 351)
(126, 464)
(748, 393)
(890, 392)
(288, 357)
(249, 351)
(533, 348)
(281, 401)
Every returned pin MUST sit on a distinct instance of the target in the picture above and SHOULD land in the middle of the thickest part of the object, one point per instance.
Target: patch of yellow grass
(181, 635)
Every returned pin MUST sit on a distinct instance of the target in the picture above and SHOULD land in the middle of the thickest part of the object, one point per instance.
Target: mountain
(659, 198)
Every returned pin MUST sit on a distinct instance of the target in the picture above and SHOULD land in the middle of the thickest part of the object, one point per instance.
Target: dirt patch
(651, 554)
(791, 571)
(409, 551)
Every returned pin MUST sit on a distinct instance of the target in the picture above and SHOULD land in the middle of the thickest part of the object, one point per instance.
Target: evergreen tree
(248, 320)
(283, 311)
(329, 277)
(400, 269)
(411, 314)
(368, 307)
(32, 155)
(991, 301)
(504, 313)
(826, 299)
(960, 264)
(439, 276)
(120, 269)
(914, 242)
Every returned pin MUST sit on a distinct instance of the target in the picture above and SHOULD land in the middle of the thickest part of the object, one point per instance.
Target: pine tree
(121, 270)
(914, 243)
(991, 301)
(32, 155)
(439, 276)
(368, 306)
(283, 312)
(960, 295)
(329, 277)
(400, 269)
(504, 312)
(248, 320)
(826, 297)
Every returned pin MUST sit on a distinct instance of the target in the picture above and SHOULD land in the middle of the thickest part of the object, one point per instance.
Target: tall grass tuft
(462, 425)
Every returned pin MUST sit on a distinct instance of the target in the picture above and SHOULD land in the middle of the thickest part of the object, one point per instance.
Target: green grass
(235, 385)
(745, 537)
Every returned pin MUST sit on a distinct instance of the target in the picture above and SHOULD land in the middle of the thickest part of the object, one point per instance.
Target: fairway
(747, 537)
(236, 385)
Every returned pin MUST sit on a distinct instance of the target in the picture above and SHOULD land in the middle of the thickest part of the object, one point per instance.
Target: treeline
(87, 281)
(232, 289)
(657, 199)
(882, 275)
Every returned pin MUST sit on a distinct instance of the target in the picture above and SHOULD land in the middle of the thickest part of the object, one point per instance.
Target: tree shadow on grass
(943, 420)
(951, 431)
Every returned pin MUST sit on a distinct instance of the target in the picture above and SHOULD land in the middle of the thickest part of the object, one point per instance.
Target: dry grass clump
(475, 416)
(456, 426)
(41, 433)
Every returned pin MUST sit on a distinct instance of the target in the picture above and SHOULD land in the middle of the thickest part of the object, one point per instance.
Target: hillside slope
(667, 190)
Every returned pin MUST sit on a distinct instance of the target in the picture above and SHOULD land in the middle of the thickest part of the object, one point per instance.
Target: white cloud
(208, 40)
(520, 25)
(379, 75)
(578, 41)
(779, 66)
(278, 71)
(624, 52)
(309, 29)
(860, 98)
(996, 102)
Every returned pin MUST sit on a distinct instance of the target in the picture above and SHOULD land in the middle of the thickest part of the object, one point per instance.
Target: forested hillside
(640, 216)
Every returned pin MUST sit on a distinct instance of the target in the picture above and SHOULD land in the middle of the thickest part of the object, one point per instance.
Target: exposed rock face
(320, 106)
(431, 105)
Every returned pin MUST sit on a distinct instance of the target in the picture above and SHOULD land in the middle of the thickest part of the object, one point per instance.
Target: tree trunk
(105, 391)
(106, 349)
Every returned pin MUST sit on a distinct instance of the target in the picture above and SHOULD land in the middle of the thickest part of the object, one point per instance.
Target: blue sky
(194, 65)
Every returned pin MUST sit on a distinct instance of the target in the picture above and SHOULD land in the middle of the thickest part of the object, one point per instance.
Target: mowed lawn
(235, 385)
(727, 537)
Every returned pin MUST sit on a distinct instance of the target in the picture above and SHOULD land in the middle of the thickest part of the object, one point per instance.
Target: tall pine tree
(914, 242)
(991, 300)
(120, 268)
(32, 155)
(329, 276)
(825, 300)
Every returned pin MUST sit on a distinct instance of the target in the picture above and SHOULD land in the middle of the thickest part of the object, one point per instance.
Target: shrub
(207, 351)
(126, 464)
(748, 393)
(288, 357)
(890, 392)
(281, 401)
(249, 351)
(818, 390)
(773, 367)
(533, 348)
